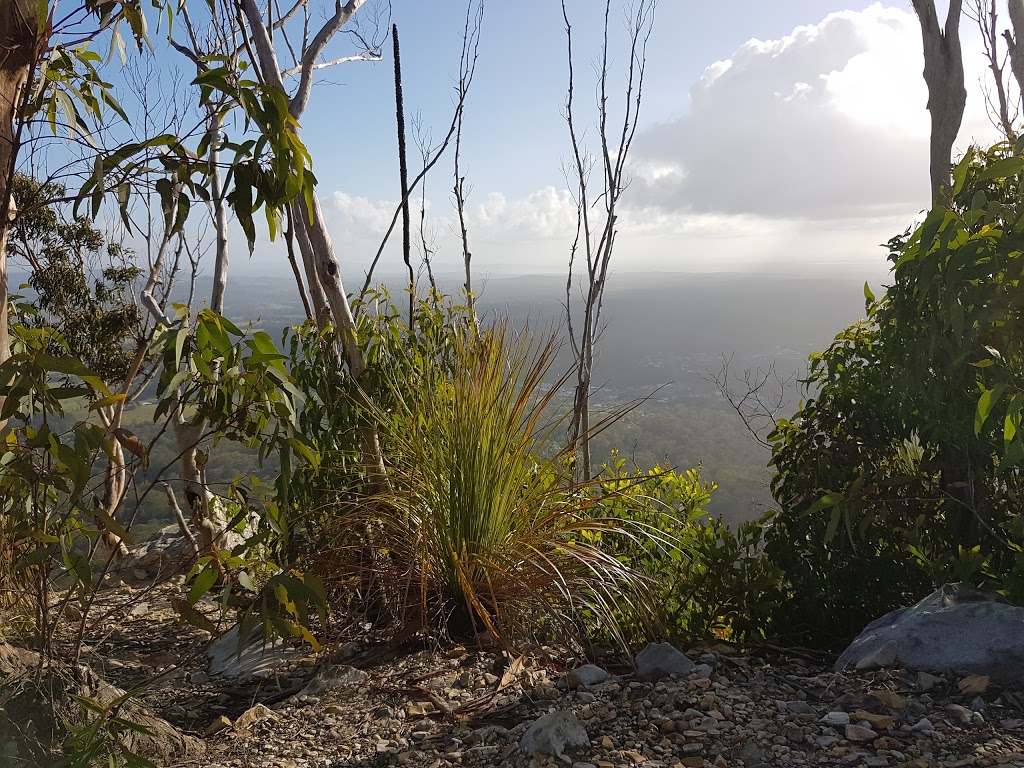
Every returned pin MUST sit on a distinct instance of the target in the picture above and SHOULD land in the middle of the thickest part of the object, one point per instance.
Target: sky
(788, 136)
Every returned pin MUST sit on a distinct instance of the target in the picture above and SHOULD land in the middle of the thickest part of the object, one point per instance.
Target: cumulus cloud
(827, 122)
(359, 217)
(545, 214)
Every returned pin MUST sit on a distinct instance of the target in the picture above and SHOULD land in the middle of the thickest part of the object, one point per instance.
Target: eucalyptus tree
(947, 95)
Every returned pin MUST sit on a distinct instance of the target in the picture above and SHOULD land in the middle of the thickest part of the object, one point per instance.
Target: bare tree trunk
(595, 240)
(19, 27)
(1016, 8)
(204, 512)
(985, 13)
(115, 480)
(947, 96)
(186, 532)
(220, 217)
(317, 297)
(403, 174)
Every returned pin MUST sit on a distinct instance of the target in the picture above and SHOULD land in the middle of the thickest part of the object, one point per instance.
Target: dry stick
(403, 171)
(180, 517)
(289, 239)
(460, 105)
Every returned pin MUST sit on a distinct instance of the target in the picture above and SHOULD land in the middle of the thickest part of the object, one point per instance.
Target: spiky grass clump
(16, 607)
(483, 528)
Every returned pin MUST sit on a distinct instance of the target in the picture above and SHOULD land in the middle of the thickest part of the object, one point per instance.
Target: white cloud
(546, 214)
(828, 122)
(359, 217)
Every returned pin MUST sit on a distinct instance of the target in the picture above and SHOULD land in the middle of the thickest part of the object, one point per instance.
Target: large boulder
(954, 629)
(166, 554)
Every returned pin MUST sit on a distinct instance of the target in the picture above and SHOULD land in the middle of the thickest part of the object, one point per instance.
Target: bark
(19, 25)
(207, 515)
(947, 95)
(1016, 8)
(317, 297)
(115, 484)
(220, 216)
(403, 173)
(179, 516)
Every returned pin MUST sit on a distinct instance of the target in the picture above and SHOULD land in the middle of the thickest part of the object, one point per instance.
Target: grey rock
(799, 707)
(924, 724)
(164, 553)
(836, 718)
(955, 629)
(860, 733)
(960, 714)
(879, 658)
(552, 734)
(253, 658)
(925, 681)
(705, 670)
(751, 753)
(660, 660)
(332, 678)
(588, 674)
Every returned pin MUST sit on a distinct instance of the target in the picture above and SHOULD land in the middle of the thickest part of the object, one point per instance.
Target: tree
(903, 467)
(944, 75)
(1016, 9)
(19, 43)
(597, 203)
(46, 68)
(985, 14)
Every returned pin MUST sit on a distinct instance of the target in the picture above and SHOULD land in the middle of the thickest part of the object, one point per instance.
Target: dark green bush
(902, 469)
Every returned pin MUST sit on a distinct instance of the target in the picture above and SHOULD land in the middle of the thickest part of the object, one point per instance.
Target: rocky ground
(359, 706)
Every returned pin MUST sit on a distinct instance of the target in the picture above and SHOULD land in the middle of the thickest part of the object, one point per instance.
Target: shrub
(709, 581)
(483, 528)
(903, 468)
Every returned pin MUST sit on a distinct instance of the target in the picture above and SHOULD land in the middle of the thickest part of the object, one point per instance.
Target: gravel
(463, 707)
(750, 712)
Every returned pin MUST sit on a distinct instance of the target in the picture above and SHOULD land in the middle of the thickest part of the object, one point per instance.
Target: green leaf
(827, 501)
(986, 403)
(1002, 169)
(204, 581)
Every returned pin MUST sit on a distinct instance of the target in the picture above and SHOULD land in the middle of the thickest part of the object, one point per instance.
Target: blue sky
(784, 136)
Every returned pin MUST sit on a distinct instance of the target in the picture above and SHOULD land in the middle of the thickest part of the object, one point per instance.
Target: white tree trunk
(321, 312)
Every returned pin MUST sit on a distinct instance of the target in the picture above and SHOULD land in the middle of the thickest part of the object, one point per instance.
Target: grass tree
(598, 199)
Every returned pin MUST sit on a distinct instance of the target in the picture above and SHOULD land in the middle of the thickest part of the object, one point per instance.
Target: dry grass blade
(484, 529)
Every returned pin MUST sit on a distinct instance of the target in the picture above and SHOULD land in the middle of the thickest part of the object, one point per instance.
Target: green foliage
(710, 581)
(333, 415)
(237, 383)
(482, 528)
(83, 282)
(902, 468)
(52, 518)
(102, 736)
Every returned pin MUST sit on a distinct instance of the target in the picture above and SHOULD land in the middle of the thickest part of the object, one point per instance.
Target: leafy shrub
(903, 467)
(709, 581)
(483, 528)
(399, 359)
